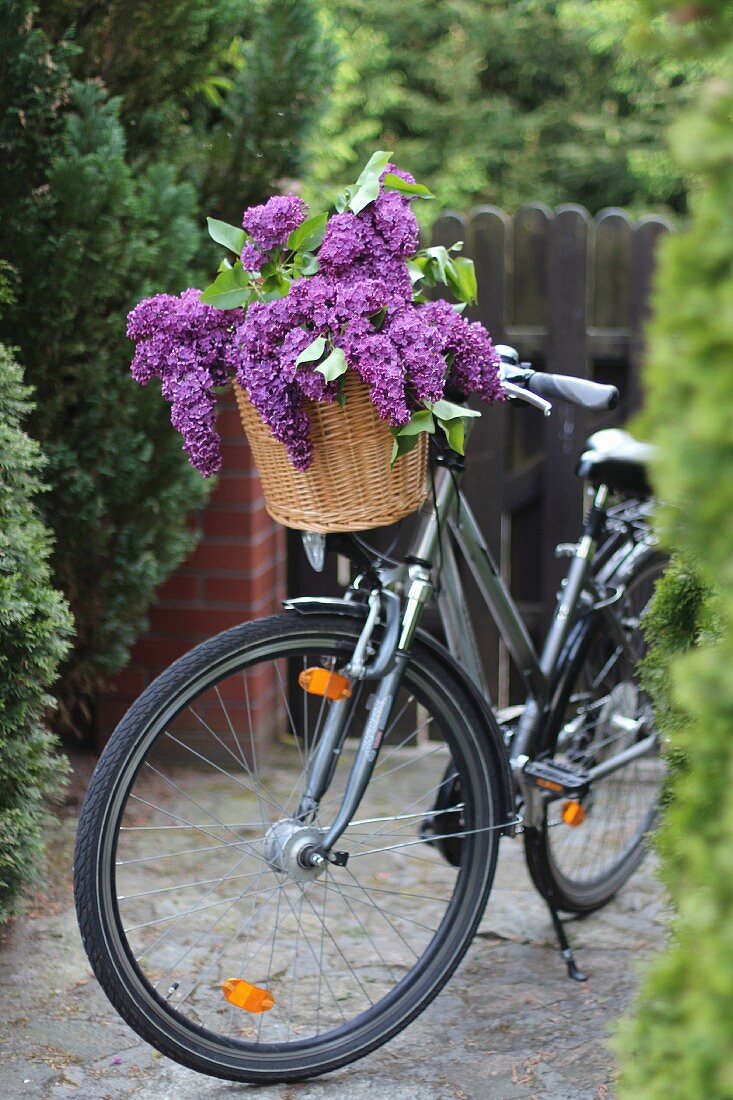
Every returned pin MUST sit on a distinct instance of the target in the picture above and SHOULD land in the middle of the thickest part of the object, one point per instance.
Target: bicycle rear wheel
(580, 867)
(184, 876)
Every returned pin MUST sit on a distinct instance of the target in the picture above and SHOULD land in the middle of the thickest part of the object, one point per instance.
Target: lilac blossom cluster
(375, 243)
(360, 302)
(474, 358)
(184, 344)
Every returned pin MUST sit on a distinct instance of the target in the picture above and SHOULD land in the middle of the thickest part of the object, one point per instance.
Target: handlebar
(576, 391)
(520, 381)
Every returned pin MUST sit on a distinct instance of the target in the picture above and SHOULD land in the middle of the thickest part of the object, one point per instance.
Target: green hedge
(35, 626)
(678, 1044)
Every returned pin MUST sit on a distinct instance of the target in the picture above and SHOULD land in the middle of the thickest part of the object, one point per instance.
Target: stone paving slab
(509, 1026)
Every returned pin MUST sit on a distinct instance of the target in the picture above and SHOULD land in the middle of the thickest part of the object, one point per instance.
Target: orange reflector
(573, 813)
(322, 681)
(249, 997)
(549, 784)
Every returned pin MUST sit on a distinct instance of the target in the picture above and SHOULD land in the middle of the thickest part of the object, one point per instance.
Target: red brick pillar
(236, 573)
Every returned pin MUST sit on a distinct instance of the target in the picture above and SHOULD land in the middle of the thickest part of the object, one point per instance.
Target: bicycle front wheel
(579, 867)
(217, 947)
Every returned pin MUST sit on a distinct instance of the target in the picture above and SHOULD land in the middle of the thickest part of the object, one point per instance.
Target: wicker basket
(349, 486)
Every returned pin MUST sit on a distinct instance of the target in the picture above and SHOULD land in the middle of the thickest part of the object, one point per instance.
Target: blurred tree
(159, 58)
(257, 135)
(228, 89)
(507, 101)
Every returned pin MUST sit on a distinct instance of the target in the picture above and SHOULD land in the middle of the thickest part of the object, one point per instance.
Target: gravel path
(509, 1026)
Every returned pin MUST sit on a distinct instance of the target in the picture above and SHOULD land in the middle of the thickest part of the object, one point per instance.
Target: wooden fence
(571, 293)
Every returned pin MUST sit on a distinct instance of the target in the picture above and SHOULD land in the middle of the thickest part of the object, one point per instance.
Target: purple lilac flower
(396, 224)
(278, 401)
(375, 359)
(475, 361)
(271, 224)
(184, 343)
(420, 347)
(194, 348)
(311, 382)
(374, 243)
(345, 243)
(252, 258)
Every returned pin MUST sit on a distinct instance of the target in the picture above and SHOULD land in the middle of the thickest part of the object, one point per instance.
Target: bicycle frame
(451, 510)
(448, 511)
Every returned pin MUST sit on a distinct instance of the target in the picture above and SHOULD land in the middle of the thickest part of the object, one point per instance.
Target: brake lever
(526, 395)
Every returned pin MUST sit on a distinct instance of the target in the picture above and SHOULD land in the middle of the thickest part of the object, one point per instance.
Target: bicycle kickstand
(566, 950)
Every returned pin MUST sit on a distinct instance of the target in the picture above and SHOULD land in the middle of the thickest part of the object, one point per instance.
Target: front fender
(316, 605)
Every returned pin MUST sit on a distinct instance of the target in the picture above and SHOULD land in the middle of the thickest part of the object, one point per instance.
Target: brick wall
(237, 572)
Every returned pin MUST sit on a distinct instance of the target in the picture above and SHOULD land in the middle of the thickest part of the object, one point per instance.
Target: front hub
(288, 845)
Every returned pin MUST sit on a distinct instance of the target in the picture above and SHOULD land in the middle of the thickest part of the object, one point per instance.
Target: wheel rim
(339, 950)
(602, 713)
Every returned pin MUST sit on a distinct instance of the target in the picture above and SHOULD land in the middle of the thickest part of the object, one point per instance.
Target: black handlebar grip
(576, 391)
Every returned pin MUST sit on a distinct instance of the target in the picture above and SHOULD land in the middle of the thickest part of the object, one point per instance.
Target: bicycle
(289, 841)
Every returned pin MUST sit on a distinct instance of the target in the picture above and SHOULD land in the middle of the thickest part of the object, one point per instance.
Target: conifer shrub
(680, 616)
(87, 233)
(115, 120)
(678, 1042)
(35, 626)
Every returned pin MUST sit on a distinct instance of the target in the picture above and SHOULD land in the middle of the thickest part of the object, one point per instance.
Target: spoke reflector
(249, 997)
(323, 681)
(573, 813)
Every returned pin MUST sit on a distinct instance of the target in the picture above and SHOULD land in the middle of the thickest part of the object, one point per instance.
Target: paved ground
(510, 1026)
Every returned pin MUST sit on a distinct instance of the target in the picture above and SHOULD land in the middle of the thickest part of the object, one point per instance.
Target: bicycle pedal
(557, 779)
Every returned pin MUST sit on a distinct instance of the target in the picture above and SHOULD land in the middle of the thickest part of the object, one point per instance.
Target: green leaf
(439, 260)
(459, 307)
(275, 286)
(228, 235)
(308, 235)
(416, 269)
(307, 264)
(314, 351)
(367, 185)
(230, 289)
(447, 410)
(378, 318)
(341, 394)
(333, 367)
(420, 421)
(391, 182)
(342, 200)
(402, 445)
(462, 278)
(455, 433)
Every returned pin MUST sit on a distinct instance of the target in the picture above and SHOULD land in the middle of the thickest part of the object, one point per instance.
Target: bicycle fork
(388, 669)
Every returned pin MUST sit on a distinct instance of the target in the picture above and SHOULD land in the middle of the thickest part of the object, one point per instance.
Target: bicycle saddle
(613, 457)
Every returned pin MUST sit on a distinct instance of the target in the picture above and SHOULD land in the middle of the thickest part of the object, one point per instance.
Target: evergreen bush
(87, 235)
(118, 121)
(227, 89)
(35, 626)
(678, 1044)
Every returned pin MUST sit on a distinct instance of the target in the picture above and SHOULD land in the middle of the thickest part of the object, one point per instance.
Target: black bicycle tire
(563, 894)
(146, 1013)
